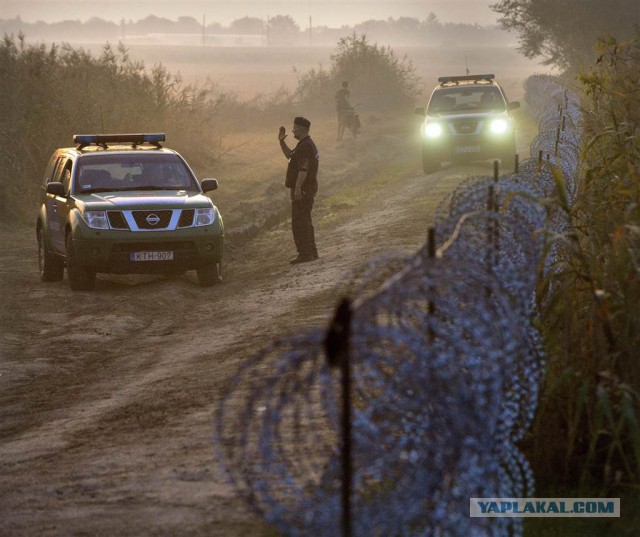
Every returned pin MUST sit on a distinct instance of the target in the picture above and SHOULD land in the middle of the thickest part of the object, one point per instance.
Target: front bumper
(111, 251)
(469, 147)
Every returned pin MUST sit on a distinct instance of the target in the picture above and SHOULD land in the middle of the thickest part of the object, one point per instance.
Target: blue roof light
(103, 139)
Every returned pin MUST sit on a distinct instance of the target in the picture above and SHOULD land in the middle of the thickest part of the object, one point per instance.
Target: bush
(50, 94)
(590, 411)
(376, 77)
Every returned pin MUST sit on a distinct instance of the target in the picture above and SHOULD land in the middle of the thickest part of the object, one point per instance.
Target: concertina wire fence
(445, 362)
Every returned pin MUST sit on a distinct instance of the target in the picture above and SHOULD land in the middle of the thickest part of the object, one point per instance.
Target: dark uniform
(304, 158)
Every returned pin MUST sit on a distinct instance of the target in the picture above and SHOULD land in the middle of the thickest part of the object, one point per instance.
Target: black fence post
(337, 346)
(431, 252)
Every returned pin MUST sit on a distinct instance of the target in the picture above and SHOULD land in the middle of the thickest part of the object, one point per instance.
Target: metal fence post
(338, 351)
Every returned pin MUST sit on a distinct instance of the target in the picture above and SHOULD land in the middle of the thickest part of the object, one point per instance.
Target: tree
(375, 75)
(246, 26)
(283, 29)
(564, 32)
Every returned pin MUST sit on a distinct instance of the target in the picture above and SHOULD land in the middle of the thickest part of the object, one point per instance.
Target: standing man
(343, 107)
(302, 179)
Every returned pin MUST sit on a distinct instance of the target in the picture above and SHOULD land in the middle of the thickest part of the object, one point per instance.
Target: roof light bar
(84, 140)
(465, 78)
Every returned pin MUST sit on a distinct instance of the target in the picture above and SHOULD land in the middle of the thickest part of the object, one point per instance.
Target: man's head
(345, 84)
(301, 127)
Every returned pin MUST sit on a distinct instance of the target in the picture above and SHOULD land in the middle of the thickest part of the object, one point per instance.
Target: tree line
(275, 30)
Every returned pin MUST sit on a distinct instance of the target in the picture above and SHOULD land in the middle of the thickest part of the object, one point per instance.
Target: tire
(209, 275)
(508, 159)
(80, 278)
(51, 266)
(429, 164)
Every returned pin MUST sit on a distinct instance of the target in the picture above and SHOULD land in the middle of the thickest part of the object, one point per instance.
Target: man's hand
(297, 193)
(282, 134)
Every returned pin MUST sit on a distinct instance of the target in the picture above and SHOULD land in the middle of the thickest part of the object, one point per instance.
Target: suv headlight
(498, 126)
(96, 219)
(432, 130)
(205, 216)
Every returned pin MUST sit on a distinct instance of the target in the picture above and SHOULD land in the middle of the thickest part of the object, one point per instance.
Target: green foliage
(49, 94)
(562, 32)
(376, 77)
(590, 411)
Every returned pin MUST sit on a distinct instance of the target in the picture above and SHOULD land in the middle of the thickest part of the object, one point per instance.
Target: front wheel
(508, 158)
(80, 278)
(209, 274)
(50, 265)
(429, 163)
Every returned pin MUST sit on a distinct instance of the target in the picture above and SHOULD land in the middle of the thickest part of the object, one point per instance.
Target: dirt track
(107, 397)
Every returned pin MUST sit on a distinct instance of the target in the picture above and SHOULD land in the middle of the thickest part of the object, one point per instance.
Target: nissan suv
(467, 118)
(121, 203)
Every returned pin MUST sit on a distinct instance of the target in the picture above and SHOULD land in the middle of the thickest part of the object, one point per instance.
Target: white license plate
(468, 149)
(151, 256)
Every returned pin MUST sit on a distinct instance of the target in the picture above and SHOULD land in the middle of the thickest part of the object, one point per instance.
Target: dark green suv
(122, 203)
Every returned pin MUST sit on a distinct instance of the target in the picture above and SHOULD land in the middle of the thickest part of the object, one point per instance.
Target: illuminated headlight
(96, 219)
(498, 126)
(432, 130)
(205, 217)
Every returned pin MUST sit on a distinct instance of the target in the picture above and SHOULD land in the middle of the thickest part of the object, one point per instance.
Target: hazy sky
(332, 13)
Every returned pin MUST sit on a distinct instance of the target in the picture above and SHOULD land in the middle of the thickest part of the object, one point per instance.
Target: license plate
(468, 149)
(151, 256)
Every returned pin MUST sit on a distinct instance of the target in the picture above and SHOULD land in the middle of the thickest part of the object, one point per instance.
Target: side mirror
(513, 105)
(56, 189)
(209, 184)
(420, 111)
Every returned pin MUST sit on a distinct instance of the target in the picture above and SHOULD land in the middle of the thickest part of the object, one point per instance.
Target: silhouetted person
(302, 179)
(343, 107)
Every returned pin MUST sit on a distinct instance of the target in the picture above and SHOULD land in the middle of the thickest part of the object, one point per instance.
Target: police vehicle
(467, 118)
(121, 203)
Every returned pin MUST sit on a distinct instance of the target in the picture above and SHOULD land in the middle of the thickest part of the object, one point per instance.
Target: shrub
(591, 406)
(49, 94)
(376, 77)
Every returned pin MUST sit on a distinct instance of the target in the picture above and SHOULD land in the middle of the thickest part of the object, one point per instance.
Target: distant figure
(343, 107)
(302, 179)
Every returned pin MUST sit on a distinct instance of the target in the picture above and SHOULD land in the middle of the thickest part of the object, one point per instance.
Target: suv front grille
(152, 219)
(186, 218)
(117, 220)
(465, 126)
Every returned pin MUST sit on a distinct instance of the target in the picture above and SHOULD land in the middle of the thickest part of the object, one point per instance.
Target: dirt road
(107, 398)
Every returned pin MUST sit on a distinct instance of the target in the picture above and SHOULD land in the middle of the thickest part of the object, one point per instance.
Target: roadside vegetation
(588, 430)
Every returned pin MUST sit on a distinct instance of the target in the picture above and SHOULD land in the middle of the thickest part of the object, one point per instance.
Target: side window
(66, 178)
(63, 173)
(52, 167)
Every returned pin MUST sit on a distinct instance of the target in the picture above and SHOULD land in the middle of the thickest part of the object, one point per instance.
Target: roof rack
(455, 80)
(83, 140)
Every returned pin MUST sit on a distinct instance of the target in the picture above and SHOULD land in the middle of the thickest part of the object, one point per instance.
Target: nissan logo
(153, 219)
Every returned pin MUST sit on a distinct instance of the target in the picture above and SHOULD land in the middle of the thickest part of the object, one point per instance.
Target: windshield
(136, 171)
(466, 99)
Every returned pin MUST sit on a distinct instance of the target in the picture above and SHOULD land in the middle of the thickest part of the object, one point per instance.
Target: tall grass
(588, 426)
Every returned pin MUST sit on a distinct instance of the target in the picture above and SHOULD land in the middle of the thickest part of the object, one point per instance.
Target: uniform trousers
(302, 226)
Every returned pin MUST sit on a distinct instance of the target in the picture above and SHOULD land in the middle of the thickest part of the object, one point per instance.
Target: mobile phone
(282, 131)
